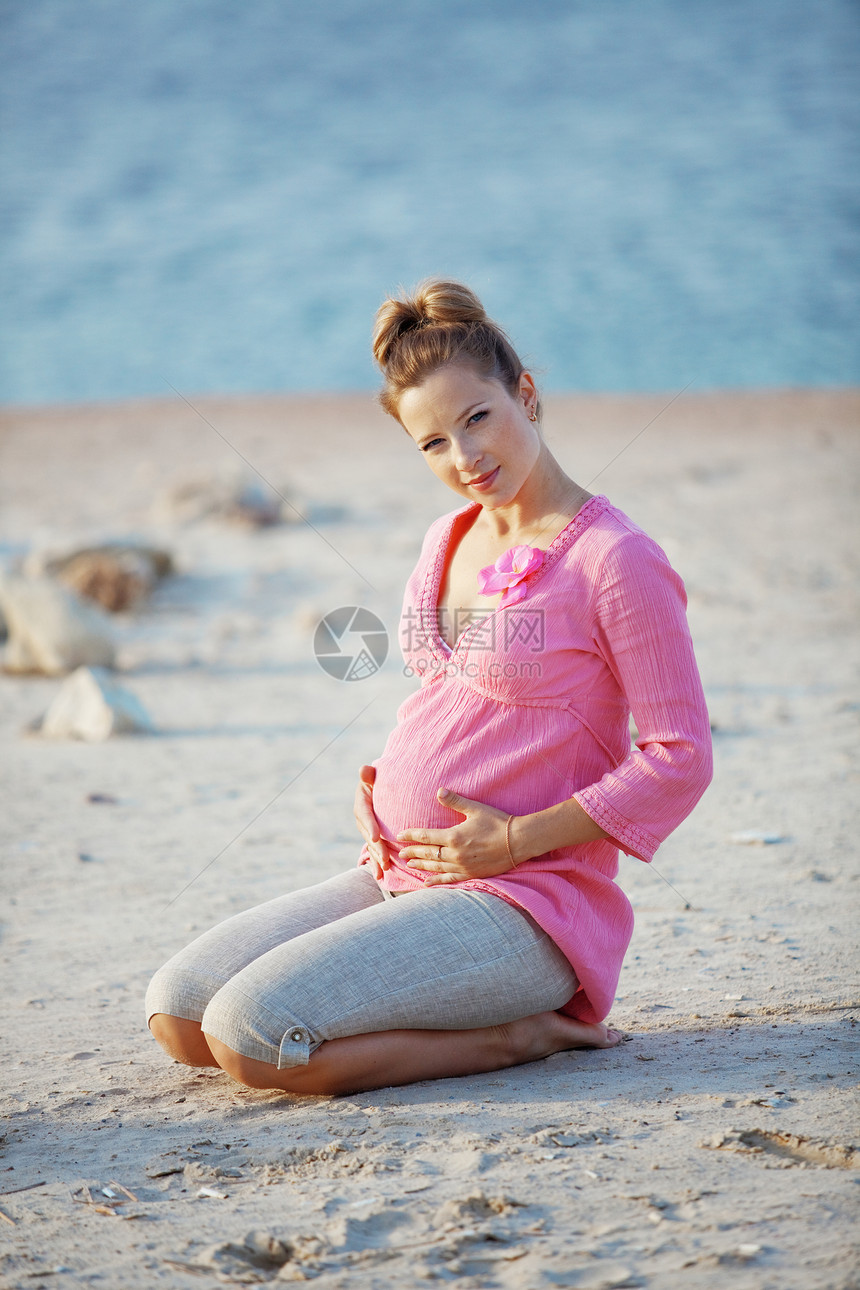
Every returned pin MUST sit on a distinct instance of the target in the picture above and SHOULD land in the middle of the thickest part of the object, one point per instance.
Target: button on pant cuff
(296, 1047)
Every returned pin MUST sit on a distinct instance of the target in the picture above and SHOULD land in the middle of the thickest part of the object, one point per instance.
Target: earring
(533, 416)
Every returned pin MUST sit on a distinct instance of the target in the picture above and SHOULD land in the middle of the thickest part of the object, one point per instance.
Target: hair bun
(439, 323)
(434, 302)
(444, 302)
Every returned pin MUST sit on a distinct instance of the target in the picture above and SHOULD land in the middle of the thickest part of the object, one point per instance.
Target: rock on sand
(51, 630)
(116, 574)
(90, 705)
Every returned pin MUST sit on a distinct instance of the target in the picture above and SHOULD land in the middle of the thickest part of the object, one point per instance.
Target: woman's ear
(528, 391)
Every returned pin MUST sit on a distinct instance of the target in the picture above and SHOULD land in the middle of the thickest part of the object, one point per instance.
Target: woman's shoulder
(614, 542)
(600, 525)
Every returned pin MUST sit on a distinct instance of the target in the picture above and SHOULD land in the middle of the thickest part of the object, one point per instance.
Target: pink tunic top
(532, 707)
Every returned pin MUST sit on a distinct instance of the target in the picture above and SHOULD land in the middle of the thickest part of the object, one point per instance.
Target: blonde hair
(439, 322)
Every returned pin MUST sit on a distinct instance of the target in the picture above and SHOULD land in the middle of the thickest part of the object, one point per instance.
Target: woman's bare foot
(546, 1033)
(582, 1034)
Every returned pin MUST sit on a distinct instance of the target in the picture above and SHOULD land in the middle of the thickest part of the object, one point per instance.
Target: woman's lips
(483, 482)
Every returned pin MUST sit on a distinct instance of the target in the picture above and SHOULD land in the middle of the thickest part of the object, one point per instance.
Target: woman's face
(476, 436)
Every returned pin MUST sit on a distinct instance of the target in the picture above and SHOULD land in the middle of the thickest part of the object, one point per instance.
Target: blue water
(217, 194)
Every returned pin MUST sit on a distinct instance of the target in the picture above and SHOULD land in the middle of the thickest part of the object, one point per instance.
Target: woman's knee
(181, 1039)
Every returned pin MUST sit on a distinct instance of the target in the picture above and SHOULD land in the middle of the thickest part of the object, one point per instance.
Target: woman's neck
(547, 502)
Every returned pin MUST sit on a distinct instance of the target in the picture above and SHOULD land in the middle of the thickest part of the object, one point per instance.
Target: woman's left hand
(477, 848)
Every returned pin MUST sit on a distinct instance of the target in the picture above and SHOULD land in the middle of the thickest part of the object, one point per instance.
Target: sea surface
(214, 195)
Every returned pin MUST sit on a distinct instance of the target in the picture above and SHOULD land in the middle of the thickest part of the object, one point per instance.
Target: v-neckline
(433, 583)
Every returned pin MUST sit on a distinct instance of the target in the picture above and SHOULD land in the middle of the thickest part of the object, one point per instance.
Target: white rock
(51, 630)
(90, 705)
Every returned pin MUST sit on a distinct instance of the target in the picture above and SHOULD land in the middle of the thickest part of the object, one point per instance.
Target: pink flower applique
(509, 573)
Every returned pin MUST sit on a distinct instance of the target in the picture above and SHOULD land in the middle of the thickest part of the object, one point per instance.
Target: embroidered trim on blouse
(593, 803)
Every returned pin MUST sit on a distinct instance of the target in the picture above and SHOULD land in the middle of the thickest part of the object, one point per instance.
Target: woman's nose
(466, 456)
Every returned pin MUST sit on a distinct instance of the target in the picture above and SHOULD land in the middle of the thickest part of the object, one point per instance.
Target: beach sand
(714, 1147)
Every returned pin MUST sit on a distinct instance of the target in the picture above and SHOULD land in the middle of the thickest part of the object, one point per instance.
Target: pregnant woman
(482, 926)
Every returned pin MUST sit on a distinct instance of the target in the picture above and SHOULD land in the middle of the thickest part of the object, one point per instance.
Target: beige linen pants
(339, 958)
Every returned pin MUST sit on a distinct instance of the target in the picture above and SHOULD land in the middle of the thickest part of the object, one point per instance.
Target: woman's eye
(477, 416)
(430, 444)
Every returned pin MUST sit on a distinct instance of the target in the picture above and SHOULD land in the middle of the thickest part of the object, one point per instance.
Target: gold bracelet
(508, 841)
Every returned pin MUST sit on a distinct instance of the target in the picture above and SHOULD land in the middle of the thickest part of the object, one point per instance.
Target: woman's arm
(640, 629)
(562, 825)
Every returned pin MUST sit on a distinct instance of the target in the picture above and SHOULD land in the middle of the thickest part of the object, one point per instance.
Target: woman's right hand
(368, 825)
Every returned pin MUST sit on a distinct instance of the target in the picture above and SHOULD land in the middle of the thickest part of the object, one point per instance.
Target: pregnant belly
(516, 761)
(409, 774)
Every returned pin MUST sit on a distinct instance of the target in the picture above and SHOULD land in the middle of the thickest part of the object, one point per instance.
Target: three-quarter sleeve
(641, 632)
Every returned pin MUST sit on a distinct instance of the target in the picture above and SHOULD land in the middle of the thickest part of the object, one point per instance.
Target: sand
(715, 1147)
